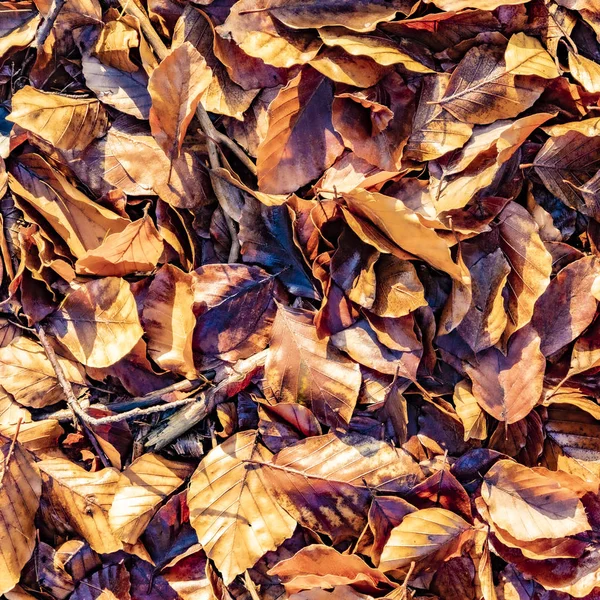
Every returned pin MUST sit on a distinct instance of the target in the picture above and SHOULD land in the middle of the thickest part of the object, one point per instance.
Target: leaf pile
(299, 299)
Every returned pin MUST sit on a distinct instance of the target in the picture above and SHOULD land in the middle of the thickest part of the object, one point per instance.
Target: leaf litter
(299, 299)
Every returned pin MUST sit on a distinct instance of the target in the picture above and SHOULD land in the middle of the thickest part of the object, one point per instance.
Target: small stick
(44, 31)
(72, 400)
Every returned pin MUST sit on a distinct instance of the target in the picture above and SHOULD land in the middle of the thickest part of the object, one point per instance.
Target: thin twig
(73, 402)
(83, 418)
(44, 31)
(12, 448)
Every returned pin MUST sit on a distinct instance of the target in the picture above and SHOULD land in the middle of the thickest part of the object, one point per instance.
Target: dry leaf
(135, 249)
(66, 123)
(303, 368)
(98, 322)
(142, 487)
(29, 377)
(20, 491)
(178, 82)
(300, 114)
(233, 512)
(82, 500)
(431, 533)
(548, 510)
(169, 321)
(509, 386)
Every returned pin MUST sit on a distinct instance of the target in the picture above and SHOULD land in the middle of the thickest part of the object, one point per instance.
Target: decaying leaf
(20, 491)
(66, 123)
(175, 88)
(299, 298)
(298, 115)
(548, 510)
(233, 512)
(303, 368)
(509, 386)
(98, 322)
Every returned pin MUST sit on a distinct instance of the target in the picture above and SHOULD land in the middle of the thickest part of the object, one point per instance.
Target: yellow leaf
(135, 249)
(20, 491)
(67, 123)
(530, 506)
(98, 322)
(525, 55)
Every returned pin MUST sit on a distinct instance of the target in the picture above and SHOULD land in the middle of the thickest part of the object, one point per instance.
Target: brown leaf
(525, 55)
(359, 16)
(567, 306)
(381, 49)
(399, 291)
(300, 112)
(567, 161)
(485, 321)
(143, 486)
(29, 377)
(302, 368)
(406, 229)
(221, 294)
(434, 131)
(177, 83)
(135, 249)
(98, 322)
(469, 412)
(509, 386)
(530, 263)
(221, 95)
(384, 345)
(431, 533)
(320, 566)
(66, 123)
(260, 35)
(482, 89)
(80, 222)
(124, 90)
(231, 508)
(169, 321)
(326, 482)
(20, 491)
(338, 65)
(82, 500)
(375, 132)
(552, 511)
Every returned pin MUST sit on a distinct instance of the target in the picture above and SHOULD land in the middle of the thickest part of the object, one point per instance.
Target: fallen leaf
(135, 249)
(221, 294)
(20, 491)
(169, 321)
(82, 500)
(179, 82)
(300, 112)
(325, 482)
(567, 307)
(320, 566)
(66, 123)
(509, 386)
(302, 368)
(143, 486)
(552, 510)
(29, 377)
(233, 512)
(98, 322)
(431, 533)
(482, 89)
